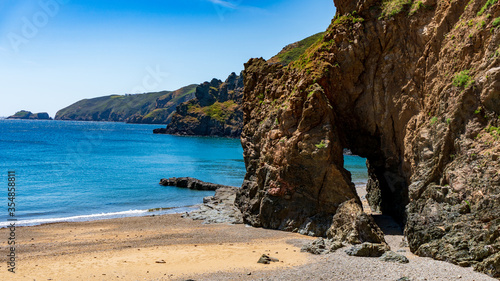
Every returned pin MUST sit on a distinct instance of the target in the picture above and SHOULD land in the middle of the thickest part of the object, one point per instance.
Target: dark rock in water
(367, 250)
(23, 114)
(219, 208)
(393, 257)
(321, 246)
(265, 259)
(190, 183)
(160, 131)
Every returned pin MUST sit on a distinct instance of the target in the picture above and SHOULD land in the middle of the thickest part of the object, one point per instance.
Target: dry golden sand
(129, 249)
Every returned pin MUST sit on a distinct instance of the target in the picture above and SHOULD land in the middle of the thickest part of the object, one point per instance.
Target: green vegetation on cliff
(221, 111)
(151, 108)
(293, 51)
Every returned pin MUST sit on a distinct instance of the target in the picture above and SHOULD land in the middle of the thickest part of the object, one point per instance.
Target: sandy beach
(145, 248)
(169, 247)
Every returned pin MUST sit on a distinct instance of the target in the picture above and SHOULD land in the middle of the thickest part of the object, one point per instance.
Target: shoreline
(148, 247)
(173, 247)
(104, 216)
(159, 211)
(168, 247)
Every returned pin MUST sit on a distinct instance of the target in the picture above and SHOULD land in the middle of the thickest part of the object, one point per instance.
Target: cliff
(293, 51)
(413, 86)
(215, 110)
(148, 108)
(23, 114)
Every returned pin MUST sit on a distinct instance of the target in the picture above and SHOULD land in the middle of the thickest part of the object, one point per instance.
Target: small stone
(367, 250)
(391, 256)
(162, 261)
(321, 246)
(265, 259)
(249, 273)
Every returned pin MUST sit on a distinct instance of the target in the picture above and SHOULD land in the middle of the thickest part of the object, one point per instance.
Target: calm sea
(77, 171)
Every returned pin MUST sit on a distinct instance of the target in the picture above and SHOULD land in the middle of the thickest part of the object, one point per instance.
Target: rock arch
(382, 87)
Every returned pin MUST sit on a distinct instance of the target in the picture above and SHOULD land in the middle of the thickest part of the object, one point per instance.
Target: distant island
(23, 114)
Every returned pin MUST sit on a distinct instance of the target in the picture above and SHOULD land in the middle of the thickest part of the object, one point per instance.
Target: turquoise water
(75, 171)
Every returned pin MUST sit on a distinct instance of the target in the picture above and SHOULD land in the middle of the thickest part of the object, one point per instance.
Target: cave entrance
(364, 177)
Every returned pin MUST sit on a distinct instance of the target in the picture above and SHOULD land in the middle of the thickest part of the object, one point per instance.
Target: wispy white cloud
(225, 4)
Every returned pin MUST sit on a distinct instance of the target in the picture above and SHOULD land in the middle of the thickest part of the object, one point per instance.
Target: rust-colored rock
(416, 92)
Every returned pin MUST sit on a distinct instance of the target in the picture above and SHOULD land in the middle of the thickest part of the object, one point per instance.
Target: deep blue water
(69, 171)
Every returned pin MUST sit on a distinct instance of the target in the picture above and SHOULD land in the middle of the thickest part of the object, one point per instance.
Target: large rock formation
(413, 87)
(216, 110)
(23, 114)
(147, 108)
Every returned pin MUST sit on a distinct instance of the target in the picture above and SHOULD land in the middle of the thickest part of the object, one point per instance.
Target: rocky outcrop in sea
(215, 111)
(191, 183)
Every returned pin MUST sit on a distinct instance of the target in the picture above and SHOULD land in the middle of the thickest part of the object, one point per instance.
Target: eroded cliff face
(412, 86)
(215, 110)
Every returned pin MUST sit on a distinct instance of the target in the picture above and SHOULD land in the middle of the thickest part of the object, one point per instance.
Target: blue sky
(56, 52)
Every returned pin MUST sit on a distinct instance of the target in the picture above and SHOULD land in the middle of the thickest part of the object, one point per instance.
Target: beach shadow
(387, 224)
